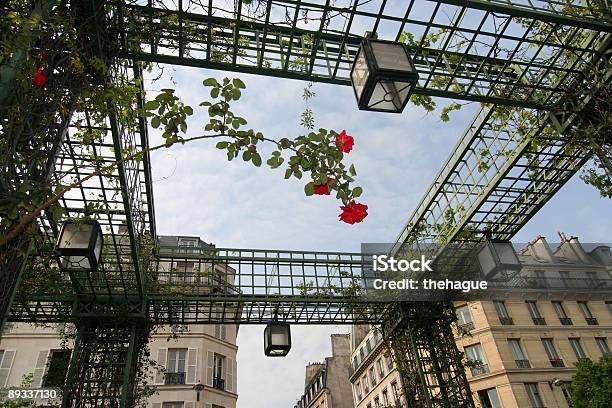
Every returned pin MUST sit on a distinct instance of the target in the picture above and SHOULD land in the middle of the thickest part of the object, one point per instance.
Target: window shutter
(209, 368)
(192, 359)
(161, 360)
(5, 366)
(41, 367)
(156, 405)
(218, 331)
(189, 404)
(223, 332)
(230, 374)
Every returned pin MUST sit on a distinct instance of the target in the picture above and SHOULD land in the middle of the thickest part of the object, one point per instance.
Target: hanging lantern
(79, 245)
(499, 260)
(383, 75)
(277, 339)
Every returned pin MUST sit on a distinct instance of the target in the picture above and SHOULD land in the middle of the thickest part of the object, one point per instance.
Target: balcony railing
(218, 383)
(557, 362)
(522, 363)
(565, 321)
(480, 370)
(539, 321)
(465, 327)
(591, 321)
(174, 378)
(506, 321)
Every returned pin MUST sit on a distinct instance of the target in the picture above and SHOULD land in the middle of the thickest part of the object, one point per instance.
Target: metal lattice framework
(519, 59)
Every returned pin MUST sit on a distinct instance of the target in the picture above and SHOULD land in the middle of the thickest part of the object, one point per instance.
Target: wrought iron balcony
(480, 370)
(465, 327)
(174, 378)
(591, 321)
(566, 321)
(522, 363)
(557, 362)
(506, 321)
(539, 321)
(218, 383)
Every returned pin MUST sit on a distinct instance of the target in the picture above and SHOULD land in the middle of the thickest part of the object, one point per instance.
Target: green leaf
(238, 83)
(285, 143)
(236, 94)
(246, 156)
(222, 145)
(57, 212)
(155, 122)
(288, 173)
(309, 189)
(352, 170)
(256, 159)
(210, 82)
(188, 110)
(214, 92)
(151, 105)
(357, 191)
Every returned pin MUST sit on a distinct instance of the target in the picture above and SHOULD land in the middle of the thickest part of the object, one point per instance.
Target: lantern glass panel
(360, 73)
(389, 95)
(391, 56)
(279, 336)
(98, 246)
(76, 262)
(75, 236)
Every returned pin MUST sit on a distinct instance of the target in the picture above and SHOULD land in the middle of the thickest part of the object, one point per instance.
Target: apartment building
(523, 343)
(374, 380)
(204, 354)
(326, 384)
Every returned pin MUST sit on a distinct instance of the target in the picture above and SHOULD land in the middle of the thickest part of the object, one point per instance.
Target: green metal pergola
(520, 59)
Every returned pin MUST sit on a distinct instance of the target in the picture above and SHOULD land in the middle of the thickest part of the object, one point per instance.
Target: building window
(566, 394)
(58, 368)
(489, 398)
(577, 347)
(372, 374)
(502, 312)
(369, 405)
(366, 386)
(476, 356)
(566, 321)
(464, 318)
(377, 402)
(551, 351)
(592, 278)
(385, 397)
(358, 395)
(390, 362)
(536, 316)
(368, 346)
(609, 305)
(173, 405)
(534, 395)
(361, 354)
(517, 352)
(175, 367)
(220, 332)
(395, 390)
(586, 312)
(602, 343)
(541, 279)
(380, 367)
(218, 372)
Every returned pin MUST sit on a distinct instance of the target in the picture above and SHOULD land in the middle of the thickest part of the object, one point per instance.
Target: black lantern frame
(277, 350)
(378, 74)
(498, 260)
(65, 253)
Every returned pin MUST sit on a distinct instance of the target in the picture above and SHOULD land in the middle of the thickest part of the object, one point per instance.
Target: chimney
(540, 249)
(341, 345)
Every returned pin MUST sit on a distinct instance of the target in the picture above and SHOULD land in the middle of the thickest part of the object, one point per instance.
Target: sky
(233, 204)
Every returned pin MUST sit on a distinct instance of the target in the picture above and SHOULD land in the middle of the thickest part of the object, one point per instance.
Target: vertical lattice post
(103, 370)
(426, 356)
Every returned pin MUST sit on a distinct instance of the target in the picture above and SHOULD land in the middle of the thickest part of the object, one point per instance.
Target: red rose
(39, 78)
(323, 189)
(345, 142)
(353, 212)
(253, 148)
